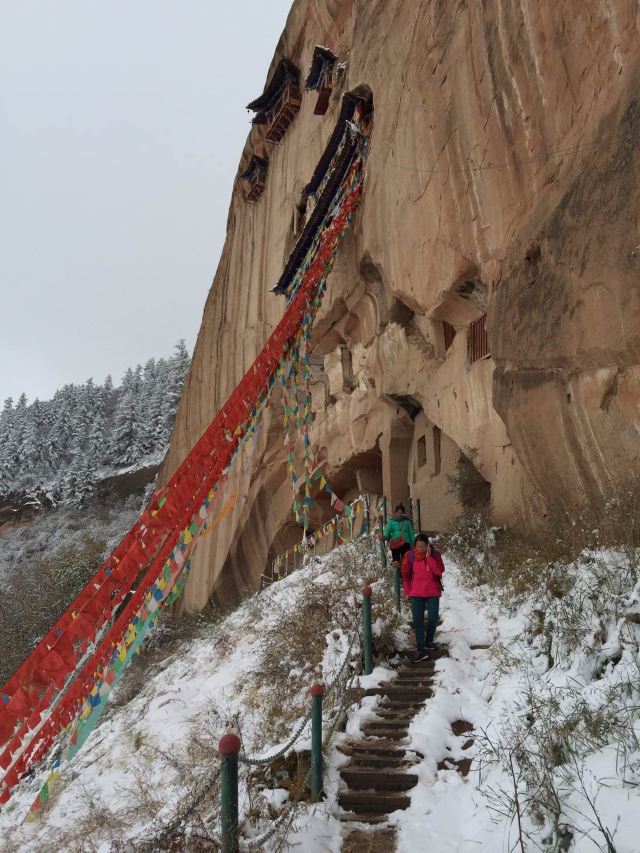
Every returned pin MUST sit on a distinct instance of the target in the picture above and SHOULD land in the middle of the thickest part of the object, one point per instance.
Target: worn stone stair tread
(372, 840)
(363, 817)
(421, 692)
(382, 731)
(368, 760)
(375, 779)
(375, 747)
(397, 713)
(372, 802)
(432, 654)
(408, 682)
(420, 669)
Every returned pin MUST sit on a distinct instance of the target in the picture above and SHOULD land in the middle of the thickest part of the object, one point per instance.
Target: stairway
(379, 777)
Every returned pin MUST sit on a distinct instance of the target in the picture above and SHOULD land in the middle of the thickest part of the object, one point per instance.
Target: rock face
(501, 181)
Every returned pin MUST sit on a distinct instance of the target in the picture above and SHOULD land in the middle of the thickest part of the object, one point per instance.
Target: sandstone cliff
(502, 181)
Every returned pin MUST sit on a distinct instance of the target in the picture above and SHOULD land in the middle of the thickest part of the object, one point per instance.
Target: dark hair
(422, 537)
(400, 506)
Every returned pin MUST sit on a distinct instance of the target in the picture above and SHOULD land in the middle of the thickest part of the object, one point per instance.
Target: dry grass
(47, 585)
(291, 655)
(515, 563)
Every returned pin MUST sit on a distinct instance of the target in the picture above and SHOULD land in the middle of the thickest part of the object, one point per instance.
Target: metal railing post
(383, 547)
(229, 747)
(396, 586)
(418, 511)
(384, 510)
(317, 692)
(368, 638)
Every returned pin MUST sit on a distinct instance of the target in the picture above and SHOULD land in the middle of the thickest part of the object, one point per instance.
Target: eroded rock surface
(502, 180)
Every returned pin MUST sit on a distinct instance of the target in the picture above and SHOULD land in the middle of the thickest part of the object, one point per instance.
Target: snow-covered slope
(552, 699)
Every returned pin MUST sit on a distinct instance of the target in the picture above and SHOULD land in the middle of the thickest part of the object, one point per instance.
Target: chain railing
(357, 660)
(352, 522)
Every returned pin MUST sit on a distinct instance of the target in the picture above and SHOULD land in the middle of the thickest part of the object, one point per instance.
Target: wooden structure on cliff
(320, 77)
(280, 101)
(325, 180)
(256, 176)
(478, 342)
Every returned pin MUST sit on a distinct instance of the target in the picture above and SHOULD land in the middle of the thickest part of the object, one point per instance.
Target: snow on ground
(147, 753)
(150, 749)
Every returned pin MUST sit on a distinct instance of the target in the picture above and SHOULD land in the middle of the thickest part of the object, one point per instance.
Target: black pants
(398, 553)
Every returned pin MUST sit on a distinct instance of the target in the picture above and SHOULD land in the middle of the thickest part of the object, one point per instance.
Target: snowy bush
(572, 729)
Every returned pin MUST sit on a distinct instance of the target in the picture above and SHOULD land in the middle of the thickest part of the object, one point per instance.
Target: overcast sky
(121, 128)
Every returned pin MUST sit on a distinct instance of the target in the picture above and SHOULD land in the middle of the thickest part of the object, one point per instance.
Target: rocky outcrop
(500, 182)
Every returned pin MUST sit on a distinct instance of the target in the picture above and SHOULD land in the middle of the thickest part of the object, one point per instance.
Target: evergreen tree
(8, 449)
(60, 443)
(30, 447)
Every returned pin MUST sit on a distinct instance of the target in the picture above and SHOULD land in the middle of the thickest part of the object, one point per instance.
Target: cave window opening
(478, 340)
(320, 77)
(255, 177)
(449, 333)
(422, 451)
(348, 383)
(299, 219)
(437, 451)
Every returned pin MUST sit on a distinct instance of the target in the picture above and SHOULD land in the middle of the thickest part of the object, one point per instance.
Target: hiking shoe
(431, 645)
(419, 655)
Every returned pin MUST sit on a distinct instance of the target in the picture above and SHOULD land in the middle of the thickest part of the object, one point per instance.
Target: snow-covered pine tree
(61, 443)
(30, 446)
(8, 447)
(177, 370)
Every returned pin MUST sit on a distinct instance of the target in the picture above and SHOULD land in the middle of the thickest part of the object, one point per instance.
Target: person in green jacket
(399, 533)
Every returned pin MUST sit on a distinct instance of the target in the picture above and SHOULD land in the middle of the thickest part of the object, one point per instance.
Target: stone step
(384, 732)
(369, 802)
(432, 654)
(391, 703)
(408, 682)
(362, 817)
(417, 670)
(372, 747)
(374, 726)
(408, 692)
(373, 779)
(368, 760)
(395, 713)
(370, 841)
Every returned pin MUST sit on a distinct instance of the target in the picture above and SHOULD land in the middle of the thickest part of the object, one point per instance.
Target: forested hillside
(62, 447)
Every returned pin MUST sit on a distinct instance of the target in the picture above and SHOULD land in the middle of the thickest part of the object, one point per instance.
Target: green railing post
(418, 512)
(368, 639)
(229, 747)
(383, 547)
(317, 692)
(396, 585)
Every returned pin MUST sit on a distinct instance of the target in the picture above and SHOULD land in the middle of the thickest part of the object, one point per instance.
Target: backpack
(433, 551)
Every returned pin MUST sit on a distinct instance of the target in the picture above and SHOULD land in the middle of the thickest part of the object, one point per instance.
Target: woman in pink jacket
(422, 570)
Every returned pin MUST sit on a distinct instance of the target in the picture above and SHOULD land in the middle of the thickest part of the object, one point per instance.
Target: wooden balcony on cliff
(277, 106)
(255, 176)
(320, 77)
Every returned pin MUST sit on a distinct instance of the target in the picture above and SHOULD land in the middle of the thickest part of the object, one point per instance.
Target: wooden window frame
(421, 451)
(478, 340)
(449, 333)
(437, 451)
